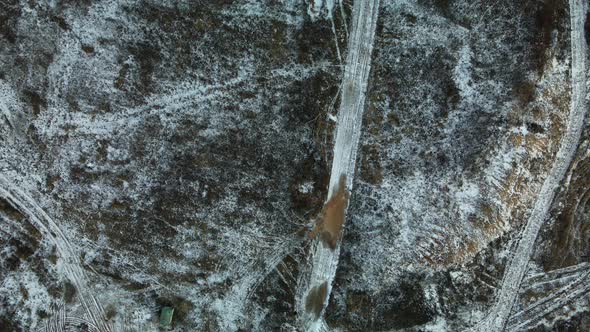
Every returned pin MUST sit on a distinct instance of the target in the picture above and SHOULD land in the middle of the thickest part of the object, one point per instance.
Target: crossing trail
(71, 263)
(515, 271)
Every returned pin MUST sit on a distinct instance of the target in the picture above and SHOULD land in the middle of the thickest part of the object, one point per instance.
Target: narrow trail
(554, 301)
(555, 276)
(500, 312)
(244, 288)
(323, 261)
(71, 263)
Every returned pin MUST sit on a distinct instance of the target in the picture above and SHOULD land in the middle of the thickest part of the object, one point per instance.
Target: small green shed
(166, 316)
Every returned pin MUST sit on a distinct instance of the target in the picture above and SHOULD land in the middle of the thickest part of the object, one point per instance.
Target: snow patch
(317, 9)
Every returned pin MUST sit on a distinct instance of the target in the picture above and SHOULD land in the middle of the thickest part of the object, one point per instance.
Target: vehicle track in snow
(500, 311)
(72, 266)
(555, 276)
(550, 303)
(322, 262)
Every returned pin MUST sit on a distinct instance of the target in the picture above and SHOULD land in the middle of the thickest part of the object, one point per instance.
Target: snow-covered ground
(69, 258)
(175, 152)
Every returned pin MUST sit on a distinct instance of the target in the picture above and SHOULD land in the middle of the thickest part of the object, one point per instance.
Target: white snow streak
(324, 261)
(320, 8)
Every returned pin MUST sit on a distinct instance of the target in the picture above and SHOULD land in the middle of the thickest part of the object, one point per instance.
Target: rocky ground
(163, 153)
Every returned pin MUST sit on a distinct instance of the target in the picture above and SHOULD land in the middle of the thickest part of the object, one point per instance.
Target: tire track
(317, 276)
(550, 303)
(500, 311)
(559, 275)
(71, 263)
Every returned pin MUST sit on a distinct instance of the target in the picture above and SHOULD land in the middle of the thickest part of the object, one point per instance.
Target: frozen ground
(177, 153)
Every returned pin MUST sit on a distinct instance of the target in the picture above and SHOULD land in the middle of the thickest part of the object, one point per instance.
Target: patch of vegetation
(547, 18)
(9, 13)
(311, 171)
(403, 307)
(69, 292)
